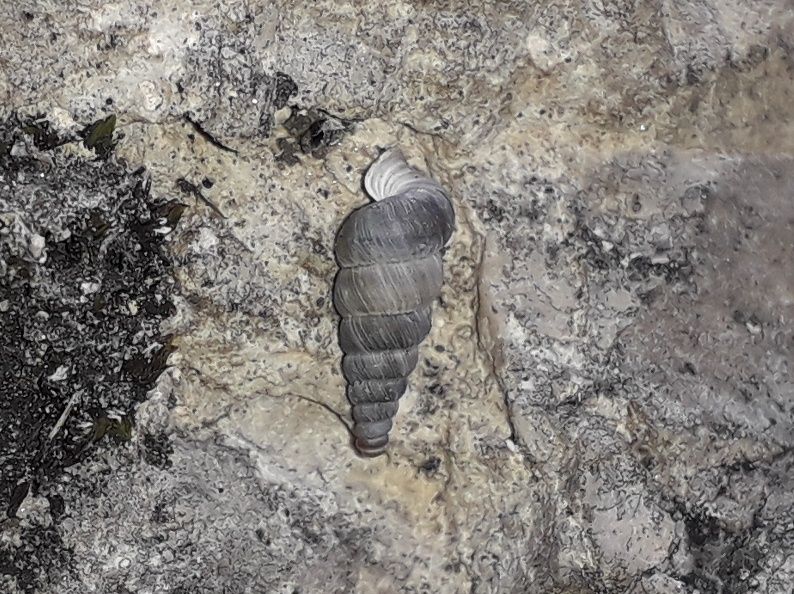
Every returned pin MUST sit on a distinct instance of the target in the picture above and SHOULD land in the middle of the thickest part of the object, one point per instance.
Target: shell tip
(382, 169)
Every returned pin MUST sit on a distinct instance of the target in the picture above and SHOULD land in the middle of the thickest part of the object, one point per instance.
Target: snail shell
(389, 252)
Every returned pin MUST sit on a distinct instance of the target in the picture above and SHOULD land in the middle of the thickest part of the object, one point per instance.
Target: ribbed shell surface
(389, 253)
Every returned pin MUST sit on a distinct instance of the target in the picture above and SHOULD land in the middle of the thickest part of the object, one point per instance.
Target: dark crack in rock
(84, 288)
(312, 132)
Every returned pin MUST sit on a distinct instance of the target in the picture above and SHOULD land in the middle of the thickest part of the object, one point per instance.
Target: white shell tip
(382, 172)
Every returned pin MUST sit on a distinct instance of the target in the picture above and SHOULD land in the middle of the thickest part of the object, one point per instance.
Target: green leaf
(174, 212)
(120, 429)
(99, 135)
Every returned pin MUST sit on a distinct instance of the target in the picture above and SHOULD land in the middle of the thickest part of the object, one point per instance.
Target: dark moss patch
(40, 548)
(84, 288)
(41, 131)
(157, 450)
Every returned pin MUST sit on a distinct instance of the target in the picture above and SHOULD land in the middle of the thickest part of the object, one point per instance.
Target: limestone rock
(604, 402)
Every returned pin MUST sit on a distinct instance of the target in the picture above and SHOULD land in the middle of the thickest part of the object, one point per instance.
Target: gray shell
(389, 253)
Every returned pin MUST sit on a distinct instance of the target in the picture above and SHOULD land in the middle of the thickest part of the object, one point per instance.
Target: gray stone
(604, 403)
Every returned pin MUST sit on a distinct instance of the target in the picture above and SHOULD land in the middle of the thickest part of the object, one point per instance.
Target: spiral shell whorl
(389, 252)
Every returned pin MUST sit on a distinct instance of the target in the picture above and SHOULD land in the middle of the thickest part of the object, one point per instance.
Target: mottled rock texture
(605, 402)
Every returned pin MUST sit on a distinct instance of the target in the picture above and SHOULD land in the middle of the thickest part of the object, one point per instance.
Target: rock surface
(605, 401)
